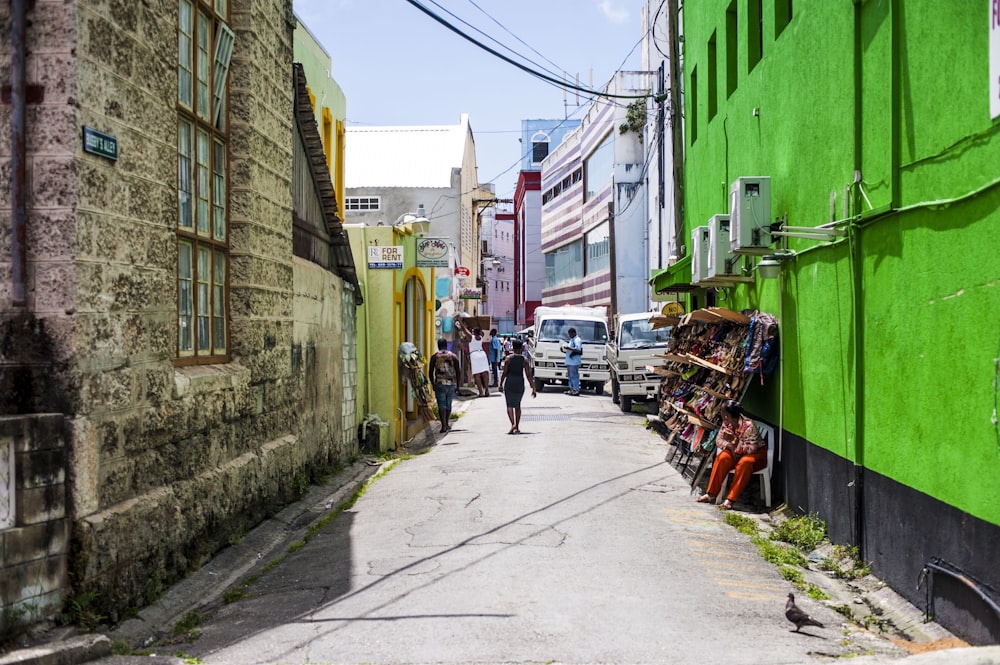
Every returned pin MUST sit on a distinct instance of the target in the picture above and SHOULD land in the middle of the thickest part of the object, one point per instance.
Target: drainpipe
(18, 9)
(857, 253)
(858, 276)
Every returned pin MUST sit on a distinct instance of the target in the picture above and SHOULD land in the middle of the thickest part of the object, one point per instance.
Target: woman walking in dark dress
(515, 372)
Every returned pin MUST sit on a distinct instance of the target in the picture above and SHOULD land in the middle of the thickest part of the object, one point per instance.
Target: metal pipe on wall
(18, 248)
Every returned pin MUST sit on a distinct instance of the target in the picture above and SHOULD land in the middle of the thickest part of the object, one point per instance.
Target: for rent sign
(385, 256)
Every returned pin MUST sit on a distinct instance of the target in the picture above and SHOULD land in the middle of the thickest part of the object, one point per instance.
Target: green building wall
(381, 329)
(874, 115)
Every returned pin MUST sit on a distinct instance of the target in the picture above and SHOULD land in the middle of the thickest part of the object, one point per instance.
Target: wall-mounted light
(412, 223)
(770, 265)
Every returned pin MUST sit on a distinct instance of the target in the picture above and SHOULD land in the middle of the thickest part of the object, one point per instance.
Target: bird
(794, 614)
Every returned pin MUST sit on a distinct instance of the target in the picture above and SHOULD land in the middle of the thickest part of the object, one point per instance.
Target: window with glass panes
(204, 49)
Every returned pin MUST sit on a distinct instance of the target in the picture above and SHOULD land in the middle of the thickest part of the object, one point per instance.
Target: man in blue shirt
(574, 356)
(496, 356)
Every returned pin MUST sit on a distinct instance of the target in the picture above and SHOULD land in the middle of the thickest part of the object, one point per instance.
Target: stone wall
(166, 463)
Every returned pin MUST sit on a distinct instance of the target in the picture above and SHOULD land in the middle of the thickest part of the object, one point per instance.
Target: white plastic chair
(765, 474)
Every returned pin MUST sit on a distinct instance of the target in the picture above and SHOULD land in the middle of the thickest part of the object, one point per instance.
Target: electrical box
(721, 260)
(699, 254)
(750, 215)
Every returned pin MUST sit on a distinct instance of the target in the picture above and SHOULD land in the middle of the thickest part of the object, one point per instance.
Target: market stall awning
(675, 278)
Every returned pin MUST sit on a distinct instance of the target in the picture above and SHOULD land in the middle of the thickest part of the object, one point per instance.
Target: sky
(398, 66)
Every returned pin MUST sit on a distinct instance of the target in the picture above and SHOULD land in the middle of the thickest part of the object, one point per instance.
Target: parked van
(552, 326)
(634, 347)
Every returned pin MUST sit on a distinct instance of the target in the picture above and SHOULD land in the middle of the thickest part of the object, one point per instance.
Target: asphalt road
(573, 542)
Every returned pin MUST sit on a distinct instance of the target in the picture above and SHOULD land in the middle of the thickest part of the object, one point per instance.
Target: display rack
(703, 369)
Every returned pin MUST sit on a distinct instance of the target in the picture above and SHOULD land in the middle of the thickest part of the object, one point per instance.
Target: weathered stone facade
(167, 463)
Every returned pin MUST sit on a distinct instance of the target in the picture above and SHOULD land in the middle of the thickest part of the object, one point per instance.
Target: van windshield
(640, 335)
(557, 330)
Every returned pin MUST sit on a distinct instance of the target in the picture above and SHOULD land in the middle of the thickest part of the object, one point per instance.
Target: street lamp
(413, 222)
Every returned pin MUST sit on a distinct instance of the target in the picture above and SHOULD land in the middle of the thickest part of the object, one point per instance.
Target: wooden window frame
(203, 267)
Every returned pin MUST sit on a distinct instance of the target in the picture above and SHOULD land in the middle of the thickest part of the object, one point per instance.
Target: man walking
(443, 372)
(574, 357)
(496, 355)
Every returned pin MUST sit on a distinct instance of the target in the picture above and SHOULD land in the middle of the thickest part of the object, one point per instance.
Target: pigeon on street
(797, 616)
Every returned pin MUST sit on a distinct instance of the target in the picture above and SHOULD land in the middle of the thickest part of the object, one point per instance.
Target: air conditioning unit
(699, 254)
(750, 215)
(721, 261)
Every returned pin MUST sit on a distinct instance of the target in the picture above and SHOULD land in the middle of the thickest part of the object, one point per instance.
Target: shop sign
(432, 253)
(99, 143)
(471, 294)
(462, 271)
(385, 256)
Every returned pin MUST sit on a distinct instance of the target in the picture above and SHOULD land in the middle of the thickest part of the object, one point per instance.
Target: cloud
(613, 11)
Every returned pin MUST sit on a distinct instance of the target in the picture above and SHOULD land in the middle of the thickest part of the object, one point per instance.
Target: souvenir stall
(711, 357)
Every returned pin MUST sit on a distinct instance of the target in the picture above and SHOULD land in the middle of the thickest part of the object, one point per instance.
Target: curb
(67, 652)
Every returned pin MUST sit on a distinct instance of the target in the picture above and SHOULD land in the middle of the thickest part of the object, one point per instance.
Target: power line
(522, 67)
(493, 39)
(472, 2)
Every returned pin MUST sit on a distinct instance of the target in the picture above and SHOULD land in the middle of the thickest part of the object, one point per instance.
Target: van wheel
(598, 388)
(614, 391)
(626, 404)
(539, 386)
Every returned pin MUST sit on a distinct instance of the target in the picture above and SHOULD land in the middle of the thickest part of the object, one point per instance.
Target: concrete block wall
(34, 539)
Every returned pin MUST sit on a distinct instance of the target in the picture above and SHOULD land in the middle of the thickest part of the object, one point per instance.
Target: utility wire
(522, 67)
(505, 29)
(493, 39)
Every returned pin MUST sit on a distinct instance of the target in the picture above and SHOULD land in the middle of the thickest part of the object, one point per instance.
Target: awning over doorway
(673, 279)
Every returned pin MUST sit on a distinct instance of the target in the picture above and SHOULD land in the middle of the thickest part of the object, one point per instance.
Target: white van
(552, 326)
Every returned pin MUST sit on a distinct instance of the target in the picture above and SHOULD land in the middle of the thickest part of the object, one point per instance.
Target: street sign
(462, 271)
(99, 143)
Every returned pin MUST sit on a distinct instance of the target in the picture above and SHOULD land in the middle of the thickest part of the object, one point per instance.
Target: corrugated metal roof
(415, 156)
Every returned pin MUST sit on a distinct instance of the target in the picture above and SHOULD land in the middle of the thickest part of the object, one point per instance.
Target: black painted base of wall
(900, 531)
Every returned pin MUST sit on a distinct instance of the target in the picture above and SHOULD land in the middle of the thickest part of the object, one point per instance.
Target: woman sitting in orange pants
(740, 445)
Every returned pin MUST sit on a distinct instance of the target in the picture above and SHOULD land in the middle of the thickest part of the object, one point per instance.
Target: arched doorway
(413, 329)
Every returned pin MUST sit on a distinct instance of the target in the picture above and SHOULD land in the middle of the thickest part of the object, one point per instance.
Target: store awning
(673, 279)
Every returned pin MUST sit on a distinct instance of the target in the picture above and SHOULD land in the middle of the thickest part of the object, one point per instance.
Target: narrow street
(573, 542)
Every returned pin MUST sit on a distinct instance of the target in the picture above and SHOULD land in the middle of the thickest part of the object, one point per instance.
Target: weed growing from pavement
(805, 532)
(188, 626)
(844, 563)
(234, 593)
(816, 593)
(742, 523)
(17, 621)
(274, 563)
(793, 575)
(80, 611)
(777, 553)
